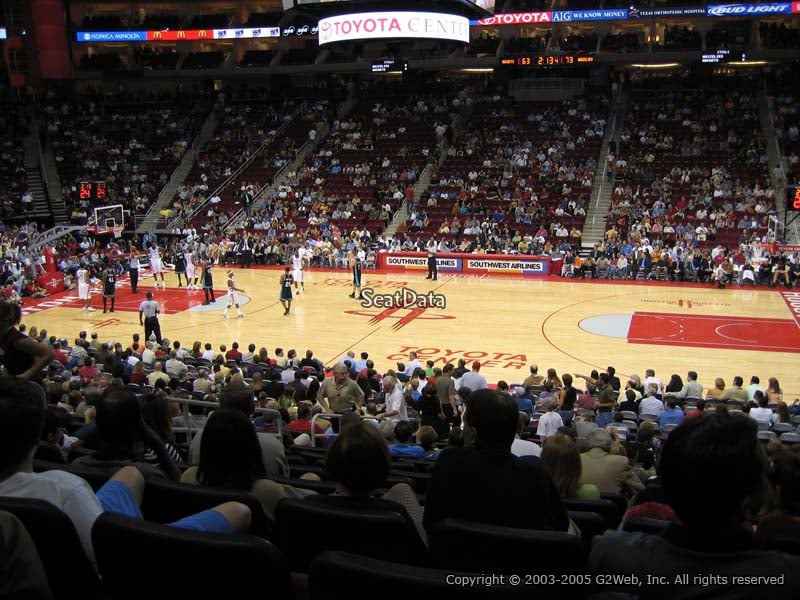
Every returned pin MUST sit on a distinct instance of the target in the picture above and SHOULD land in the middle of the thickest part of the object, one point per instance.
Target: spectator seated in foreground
(22, 413)
(709, 467)
(482, 480)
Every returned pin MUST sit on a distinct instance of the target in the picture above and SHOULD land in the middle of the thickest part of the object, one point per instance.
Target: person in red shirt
(302, 424)
(233, 353)
(59, 355)
(88, 370)
(693, 414)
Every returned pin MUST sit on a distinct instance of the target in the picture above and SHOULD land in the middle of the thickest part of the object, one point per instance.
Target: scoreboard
(92, 190)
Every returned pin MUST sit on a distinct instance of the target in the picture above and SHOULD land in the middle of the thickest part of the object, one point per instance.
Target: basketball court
(505, 323)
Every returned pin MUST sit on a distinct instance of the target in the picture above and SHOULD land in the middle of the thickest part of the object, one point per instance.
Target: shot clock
(793, 198)
(92, 190)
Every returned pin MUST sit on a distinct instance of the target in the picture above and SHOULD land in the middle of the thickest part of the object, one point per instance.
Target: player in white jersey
(191, 271)
(299, 261)
(84, 293)
(156, 265)
(233, 298)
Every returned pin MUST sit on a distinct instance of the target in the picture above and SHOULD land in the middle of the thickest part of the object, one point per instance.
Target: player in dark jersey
(286, 291)
(355, 264)
(180, 265)
(109, 287)
(208, 282)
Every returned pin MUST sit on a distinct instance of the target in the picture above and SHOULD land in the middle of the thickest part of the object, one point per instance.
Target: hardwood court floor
(507, 324)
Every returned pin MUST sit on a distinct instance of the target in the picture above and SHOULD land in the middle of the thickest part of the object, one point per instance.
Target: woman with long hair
(774, 391)
(197, 350)
(257, 383)
(784, 416)
(359, 462)
(561, 456)
(138, 376)
(553, 378)
(157, 415)
(675, 384)
(263, 356)
(718, 390)
(230, 457)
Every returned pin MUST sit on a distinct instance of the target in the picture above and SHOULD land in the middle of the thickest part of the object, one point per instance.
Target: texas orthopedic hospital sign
(393, 24)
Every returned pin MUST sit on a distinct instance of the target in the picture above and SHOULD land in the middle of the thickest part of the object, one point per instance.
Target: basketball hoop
(98, 231)
(108, 220)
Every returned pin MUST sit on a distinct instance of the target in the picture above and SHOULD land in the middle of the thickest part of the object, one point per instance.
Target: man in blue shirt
(402, 447)
(524, 400)
(672, 415)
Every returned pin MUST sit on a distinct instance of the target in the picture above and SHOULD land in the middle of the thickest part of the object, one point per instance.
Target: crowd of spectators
(692, 167)
(13, 180)
(262, 137)
(424, 437)
(518, 180)
(131, 140)
(361, 172)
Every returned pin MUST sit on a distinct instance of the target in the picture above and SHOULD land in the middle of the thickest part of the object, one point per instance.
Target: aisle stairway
(600, 203)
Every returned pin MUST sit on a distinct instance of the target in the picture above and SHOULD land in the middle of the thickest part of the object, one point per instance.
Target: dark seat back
(345, 575)
(69, 571)
(180, 563)
(590, 524)
(605, 508)
(305, 528)
(167, 501)
(618, 499)
(470, 546)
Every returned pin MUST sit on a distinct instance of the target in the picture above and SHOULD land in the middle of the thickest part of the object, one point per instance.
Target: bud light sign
(743, 10)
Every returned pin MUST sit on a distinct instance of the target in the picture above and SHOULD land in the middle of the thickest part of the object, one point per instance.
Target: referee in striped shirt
(148, 310)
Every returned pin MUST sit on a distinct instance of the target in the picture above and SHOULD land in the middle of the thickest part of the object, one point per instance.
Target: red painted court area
(710, 331)
(172, 300)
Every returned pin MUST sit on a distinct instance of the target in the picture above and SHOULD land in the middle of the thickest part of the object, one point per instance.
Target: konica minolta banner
(745, 10)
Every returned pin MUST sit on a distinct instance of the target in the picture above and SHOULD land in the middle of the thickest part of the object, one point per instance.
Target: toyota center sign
(393, 24)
